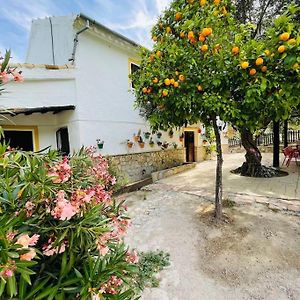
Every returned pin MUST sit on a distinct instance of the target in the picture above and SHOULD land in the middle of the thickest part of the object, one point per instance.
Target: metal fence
(267, 139)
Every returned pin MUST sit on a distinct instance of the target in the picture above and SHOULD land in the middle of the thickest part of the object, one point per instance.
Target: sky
(132, 18)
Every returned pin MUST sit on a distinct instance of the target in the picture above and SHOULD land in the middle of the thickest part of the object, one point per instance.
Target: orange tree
(205, 64)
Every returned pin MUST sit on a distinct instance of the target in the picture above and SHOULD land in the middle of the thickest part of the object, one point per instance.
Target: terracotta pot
(129, 145)
(142, 145)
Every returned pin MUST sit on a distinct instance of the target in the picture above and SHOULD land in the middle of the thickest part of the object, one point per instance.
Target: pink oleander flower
(49, 249)
(11, 235)
(4, 77)
(26, 241)
(63, 210)
(101, 243)
(111, 286)
(29, 255)
(7, 273)
(132, 257)
(29, 208)
(18, 76)
(61, 172)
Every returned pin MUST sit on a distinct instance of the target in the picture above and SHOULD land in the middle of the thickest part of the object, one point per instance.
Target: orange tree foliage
(205, 64)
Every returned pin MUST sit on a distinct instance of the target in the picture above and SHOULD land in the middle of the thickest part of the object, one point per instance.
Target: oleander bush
(61, 232)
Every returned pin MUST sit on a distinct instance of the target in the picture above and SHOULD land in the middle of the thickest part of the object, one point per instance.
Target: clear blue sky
(132, 18)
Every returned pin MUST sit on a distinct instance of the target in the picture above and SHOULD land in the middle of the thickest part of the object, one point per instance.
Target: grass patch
(228, 203)
(150, 263)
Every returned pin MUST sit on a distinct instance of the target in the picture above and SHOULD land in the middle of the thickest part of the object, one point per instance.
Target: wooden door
(189, 144)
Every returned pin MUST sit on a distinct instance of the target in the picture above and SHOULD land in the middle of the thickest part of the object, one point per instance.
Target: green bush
(61, 232)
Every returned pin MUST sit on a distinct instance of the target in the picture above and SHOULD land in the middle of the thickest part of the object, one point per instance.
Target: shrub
(61, 232)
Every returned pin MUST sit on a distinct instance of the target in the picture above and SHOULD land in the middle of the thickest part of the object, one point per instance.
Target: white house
(77, 91)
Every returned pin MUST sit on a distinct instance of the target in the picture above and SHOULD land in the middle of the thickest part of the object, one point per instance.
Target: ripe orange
(190, 35)
(217, 2)
(202, 2)
(284, 36)
(201, 38)
(181, 77)
(167, 81)
(235, 50)
(149, 90)
(244, 65)
(207, 31)
(159, 54)
(155, 80)
(281, 49)
(178, 16)
(145, 90)
(176, 84)
(267, 52)
(182, 34)
(169, 29)
(204, 48)
(200, 88)
(259, 61)
(252, 72)
(264, 69)
(193, 41)
(165, 93)
(172, 81)
(292, 42)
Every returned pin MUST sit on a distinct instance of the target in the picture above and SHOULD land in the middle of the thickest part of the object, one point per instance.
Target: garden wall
(138, 166)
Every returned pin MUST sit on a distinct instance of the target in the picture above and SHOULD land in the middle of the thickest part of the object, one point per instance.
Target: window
(62, 139)
(133, 68)
(20, 139)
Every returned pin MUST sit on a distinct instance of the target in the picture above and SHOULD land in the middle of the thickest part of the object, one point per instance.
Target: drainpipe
(72, 59)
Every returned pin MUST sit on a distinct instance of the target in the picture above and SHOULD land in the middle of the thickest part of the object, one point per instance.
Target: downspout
(52, 42)
(72, 59)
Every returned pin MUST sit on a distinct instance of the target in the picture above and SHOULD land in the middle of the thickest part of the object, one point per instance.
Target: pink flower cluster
(111, 286)
(119, 229)
(49, 249)
(61, 172)
(64, 210)
(100, 167)
(29, 208)
(25, 241)
(5, 76)
(8, 269)
(132, 257)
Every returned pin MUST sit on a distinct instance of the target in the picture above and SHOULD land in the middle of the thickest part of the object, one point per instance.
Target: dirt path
(256, 255)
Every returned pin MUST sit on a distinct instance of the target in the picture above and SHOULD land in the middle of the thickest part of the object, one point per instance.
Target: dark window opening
(133, 68)
(19, 139)
(62, 139)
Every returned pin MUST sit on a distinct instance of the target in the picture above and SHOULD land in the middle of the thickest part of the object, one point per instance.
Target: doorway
(62, 139)
(19, 139)
(189, 144)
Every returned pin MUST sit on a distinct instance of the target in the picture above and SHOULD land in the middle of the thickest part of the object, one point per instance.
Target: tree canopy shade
(205, 64)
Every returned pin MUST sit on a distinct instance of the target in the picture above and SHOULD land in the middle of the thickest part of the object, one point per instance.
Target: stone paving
(280, 193)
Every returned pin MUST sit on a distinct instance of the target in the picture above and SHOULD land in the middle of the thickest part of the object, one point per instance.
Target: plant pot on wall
(129, 144)
(100, 144)
(147, 135)
(141, 143)
(151, 143)
(159, 143)
(158, 134)
(171, 133)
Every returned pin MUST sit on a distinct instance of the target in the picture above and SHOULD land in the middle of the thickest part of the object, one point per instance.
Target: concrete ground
(254, 254)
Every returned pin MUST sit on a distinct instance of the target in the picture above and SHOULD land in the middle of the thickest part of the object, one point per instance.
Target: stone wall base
(138, 166)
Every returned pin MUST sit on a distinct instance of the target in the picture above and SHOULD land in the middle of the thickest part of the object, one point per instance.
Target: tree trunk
(252, 166)
(219, 185)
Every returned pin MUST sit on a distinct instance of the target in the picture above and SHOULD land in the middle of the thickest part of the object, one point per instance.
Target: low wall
(138, 166)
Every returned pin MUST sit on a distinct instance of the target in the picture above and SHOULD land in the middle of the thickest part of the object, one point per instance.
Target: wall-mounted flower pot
(171, 133)
(159, 143)
(142, 145)
(129, 144)
(147, 135)
(158, 134)
(151, 144)
(100, 145)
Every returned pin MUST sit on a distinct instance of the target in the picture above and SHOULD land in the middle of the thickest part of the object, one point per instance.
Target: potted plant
(129, 144)
(137, 136)
(171, 133)
(181, 137)
(158, 134)
(151, 143)
(141, 142)
(159, 143)
(165, 145)
(175, 146)
(100, 144)
(147, 135)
